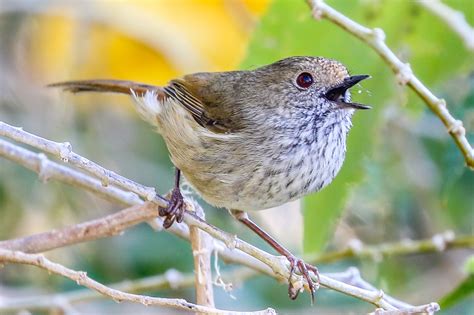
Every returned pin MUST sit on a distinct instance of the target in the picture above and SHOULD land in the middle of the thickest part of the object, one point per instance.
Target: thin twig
(356, 249)
(352, 276)
(81, 278)
(453, 18)
(110, 225)
(202, 247)
(280, 266)
(171, 279)
(47, 169)
(375, 38)
(427, 309)
(63, 151)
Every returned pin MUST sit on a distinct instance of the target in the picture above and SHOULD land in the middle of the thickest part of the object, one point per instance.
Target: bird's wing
(193, 92)
(178, 91)
(209, 100)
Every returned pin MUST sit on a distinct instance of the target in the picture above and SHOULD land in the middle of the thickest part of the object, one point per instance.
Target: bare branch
(171, 279)
(81, 278)
(119, 221)
(110, 225)
(116, 223)
(64, 152)
(454, 19)
(232, 249)
(375, 38)
(428, 309)
(280, 266)
(46, 170)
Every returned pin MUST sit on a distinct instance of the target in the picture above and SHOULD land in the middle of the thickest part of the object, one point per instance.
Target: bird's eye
(304, 80)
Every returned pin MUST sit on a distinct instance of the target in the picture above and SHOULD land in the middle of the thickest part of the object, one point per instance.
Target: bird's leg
(176, 207)
(295, 262)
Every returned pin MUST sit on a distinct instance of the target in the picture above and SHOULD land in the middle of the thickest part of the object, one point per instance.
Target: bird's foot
(305, 270)
(175, 209)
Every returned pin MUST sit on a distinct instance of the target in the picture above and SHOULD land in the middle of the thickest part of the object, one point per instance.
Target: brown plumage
(249, 140)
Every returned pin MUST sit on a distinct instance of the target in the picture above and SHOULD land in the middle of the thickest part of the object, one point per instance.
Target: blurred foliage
(217, 38)
(403, 176)
(463, 290)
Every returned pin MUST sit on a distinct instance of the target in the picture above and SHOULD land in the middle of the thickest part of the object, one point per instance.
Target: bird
(249, 140)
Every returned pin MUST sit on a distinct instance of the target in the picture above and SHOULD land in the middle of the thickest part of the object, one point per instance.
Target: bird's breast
(257, 170)
(295, 170)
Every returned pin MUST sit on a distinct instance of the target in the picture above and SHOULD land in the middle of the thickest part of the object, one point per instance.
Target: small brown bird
(249, 140)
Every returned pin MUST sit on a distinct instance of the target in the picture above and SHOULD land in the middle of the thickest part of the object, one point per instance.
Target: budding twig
(375, 38)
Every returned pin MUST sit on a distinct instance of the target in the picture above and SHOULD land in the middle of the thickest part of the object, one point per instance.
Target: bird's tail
(148, 98)
(114, 86)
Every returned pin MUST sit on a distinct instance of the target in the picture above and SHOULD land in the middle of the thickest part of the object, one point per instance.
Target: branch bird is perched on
(249, 140)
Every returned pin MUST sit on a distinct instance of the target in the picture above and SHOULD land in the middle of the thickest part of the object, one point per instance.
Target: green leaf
(462, 291)
(469, 265)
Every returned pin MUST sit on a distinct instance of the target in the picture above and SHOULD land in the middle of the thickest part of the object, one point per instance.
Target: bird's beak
(334, 94)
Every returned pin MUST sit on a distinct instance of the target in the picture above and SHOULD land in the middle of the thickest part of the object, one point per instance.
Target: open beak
(337, 93)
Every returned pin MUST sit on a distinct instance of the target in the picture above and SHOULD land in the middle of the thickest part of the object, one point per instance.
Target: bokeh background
(403, 177)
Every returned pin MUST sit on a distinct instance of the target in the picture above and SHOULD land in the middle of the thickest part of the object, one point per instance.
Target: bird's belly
(257, 185)
(277, 185)
(250, 171)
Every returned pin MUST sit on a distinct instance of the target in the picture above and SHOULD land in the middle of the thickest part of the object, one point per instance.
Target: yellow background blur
(151, 41)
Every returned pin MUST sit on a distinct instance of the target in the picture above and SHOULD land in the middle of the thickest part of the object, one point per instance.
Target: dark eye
(304, 80)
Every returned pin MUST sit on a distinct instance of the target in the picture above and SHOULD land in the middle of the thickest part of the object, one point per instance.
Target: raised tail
(113, 86)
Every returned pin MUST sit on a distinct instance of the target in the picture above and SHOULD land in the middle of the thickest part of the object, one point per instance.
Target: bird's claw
(175, 209)
(305, 270)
